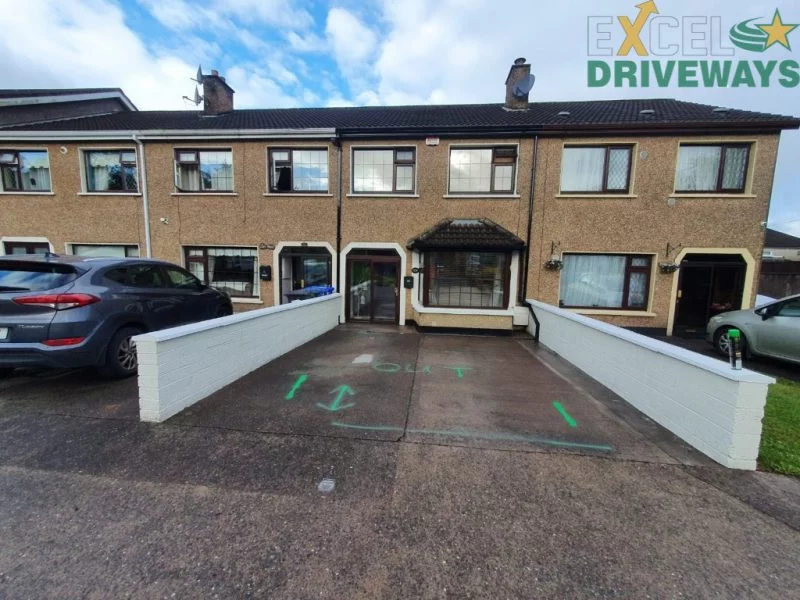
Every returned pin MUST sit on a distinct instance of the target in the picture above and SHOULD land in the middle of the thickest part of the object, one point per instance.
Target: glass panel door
(385, 290)
(360, 289)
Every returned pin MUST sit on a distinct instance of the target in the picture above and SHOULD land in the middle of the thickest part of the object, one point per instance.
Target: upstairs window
(384, 171)
(204, 170)
(596, 169)
(103, 250)
(720, 168)
(483, 170)
(111, 171)
(25, 170)
(298, 170)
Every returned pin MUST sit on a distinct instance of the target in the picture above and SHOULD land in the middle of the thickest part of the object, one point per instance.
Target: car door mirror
(769, 311)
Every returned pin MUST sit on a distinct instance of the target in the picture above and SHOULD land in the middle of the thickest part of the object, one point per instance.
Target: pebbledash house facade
(642, 213)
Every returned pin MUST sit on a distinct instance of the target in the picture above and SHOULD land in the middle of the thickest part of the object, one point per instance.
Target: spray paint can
(735, 348)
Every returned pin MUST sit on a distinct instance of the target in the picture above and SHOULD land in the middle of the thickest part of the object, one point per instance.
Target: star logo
(777, 31)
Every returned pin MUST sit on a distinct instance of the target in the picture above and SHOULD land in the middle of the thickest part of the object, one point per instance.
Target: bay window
(111, 171)
(596, 169)
(720, 168)
(384, 170)
(466, 279)
(204, 170)
(230, 270)
(24, 171)
(298, 170)
(610, 281)
(483, 170)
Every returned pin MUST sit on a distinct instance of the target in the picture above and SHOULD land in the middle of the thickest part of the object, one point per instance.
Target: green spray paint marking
(485, 435)
(387, 367)
(567, 417)
(410, 369)
(300, 381)
(460, 370)
(337, 405)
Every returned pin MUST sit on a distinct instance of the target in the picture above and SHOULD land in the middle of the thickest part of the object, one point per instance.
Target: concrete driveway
(454, 473)
(393, 384)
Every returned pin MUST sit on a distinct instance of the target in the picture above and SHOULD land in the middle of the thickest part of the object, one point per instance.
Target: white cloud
(308, 42)
(272, 12)
(353, 43)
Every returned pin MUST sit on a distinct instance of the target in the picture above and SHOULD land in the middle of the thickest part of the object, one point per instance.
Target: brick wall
(702, 400)
(180, 366)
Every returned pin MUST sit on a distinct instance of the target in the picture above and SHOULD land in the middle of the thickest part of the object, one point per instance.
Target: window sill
(612, 312)
(109, 194)
(485, 312)
(712, 195)
(247, 300)
(482, 196)
(299, 195)
(4, 193)
(602, 196)
(204, 194)
(385, 196)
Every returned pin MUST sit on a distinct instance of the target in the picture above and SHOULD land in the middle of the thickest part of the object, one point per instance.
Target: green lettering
(765, 70)
(687, 73)
(743, 75)
(716, 73)
(599, 73)
(644, 73)
(624, 70)
(663, 75)
(790, 70)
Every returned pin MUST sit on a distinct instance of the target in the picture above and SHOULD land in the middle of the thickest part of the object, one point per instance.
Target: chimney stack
(217, 95)
(519, 70)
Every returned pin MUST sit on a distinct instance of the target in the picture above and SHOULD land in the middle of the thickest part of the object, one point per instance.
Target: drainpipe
(338, 143)
(524, 287)
(145, 202)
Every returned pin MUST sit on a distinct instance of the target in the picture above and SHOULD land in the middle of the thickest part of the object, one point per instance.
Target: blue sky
(278, 53)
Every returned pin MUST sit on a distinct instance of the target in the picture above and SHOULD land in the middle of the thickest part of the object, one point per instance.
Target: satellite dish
(199, 77)
(197, 98)
(523, 86)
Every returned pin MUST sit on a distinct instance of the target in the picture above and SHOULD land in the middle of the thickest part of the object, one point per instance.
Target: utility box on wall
(408, 282)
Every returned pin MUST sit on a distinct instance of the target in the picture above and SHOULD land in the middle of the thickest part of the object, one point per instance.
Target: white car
(770, 330)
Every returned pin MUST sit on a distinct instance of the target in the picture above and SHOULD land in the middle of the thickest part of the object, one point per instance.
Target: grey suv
(71, 311)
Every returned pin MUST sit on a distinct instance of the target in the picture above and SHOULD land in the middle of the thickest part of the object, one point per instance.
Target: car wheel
(224, 311)
(121, 359)
(722, 341)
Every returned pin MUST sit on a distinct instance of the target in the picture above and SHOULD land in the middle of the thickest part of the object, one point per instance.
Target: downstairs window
(467, 279)
(230, 270)
(612, 281)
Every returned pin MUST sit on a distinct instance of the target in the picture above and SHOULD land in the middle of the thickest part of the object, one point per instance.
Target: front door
(373, 289)
(707, 287)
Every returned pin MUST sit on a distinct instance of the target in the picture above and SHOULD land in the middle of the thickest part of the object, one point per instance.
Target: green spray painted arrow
(337, 405)
(300, 381)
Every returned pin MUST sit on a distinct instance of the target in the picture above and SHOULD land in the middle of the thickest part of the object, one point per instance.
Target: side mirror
(767, 312)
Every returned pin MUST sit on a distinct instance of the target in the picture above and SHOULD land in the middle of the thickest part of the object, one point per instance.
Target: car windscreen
(34, 277)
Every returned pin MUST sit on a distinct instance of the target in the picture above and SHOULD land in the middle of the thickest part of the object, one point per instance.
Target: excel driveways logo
(704, 51)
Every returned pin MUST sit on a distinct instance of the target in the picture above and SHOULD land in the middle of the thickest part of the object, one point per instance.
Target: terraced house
(644, 213)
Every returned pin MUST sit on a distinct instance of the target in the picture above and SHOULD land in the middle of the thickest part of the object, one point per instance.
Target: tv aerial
(523, 86)
(198, 79)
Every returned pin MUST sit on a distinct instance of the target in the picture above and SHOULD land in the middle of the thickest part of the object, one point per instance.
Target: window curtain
(35, 168)
(582, 169)
(101, 167)
(698, 167)
(189, 177)
(592, 280)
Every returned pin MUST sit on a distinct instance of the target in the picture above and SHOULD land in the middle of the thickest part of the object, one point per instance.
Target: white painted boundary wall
(182, 365)
(702, 400)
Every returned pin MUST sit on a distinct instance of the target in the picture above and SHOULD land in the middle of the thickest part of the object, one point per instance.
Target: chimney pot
(520, 61)
(217, 94)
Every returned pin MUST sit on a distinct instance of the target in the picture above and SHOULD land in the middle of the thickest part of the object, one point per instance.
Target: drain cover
(326, 485)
